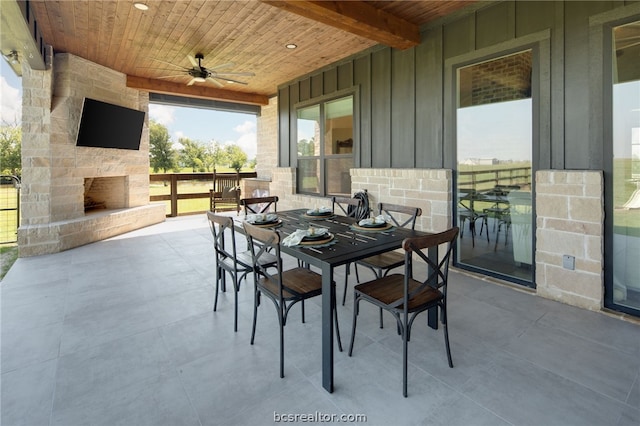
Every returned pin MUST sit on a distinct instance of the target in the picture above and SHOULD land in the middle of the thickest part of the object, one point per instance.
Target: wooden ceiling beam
(167, 87)
(356, 17)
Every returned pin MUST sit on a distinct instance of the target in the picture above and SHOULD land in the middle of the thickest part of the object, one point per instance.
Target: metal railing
(481, 180)
(197, 187)
(9, 208)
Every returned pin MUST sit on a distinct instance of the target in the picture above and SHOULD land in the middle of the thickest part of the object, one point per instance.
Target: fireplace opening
(104, 193)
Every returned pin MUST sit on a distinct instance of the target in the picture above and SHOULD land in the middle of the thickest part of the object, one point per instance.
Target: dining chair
(258, 205)
(381, 264)
(349, 207)
(284, 288)
(467, 213)
(405, 297)
(229, 261)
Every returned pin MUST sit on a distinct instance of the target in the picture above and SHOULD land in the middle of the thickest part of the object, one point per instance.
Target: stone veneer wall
(425, 188)
(54, 169)
(570, 220)
(267, 134)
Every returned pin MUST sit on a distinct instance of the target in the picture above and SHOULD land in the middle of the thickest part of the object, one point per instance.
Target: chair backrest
(226, 184)
(218, 225)
(261, 242)
(437, 271)
(259, 204)
(393, 210)
(348, 206)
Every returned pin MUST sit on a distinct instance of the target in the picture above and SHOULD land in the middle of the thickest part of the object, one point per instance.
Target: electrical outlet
(568, 262)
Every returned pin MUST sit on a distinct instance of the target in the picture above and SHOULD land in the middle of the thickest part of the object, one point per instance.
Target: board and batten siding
(405, 106)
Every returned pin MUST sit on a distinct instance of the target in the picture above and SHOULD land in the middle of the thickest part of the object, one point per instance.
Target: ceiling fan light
(199, 79)
(140, 6)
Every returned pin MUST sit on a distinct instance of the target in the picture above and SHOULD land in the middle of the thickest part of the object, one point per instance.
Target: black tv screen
(105, 125)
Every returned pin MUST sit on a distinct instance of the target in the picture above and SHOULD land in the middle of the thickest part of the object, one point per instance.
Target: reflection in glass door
(624, 279)
(494, 173)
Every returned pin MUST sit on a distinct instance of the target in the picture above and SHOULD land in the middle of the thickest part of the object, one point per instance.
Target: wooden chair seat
(386, 290)
(298, 282)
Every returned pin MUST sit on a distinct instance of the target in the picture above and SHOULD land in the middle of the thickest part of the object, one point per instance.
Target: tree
(162, 155)
(10, 149)
(236, 156)
(192, 155)
(214, 155)
(306, 148)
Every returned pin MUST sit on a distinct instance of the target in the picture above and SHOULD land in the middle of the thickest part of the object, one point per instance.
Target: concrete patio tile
(27, 394)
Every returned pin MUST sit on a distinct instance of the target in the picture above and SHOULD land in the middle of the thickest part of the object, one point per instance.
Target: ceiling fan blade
(216, 82)
(190, 83)
(227, 65)
(230, 80)
(193, 61)
(244, 74)
(169, 63)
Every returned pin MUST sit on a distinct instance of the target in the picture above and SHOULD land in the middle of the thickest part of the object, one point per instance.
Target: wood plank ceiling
(250, 34)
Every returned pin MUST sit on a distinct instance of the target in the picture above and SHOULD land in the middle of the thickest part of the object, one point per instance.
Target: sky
(194, 123)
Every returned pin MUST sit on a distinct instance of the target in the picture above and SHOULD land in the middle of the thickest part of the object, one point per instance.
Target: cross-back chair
(283, 288)
(381, 264)
(225, 194)
(405, 297)
(346, 206)
(259, 205)
(229, 261)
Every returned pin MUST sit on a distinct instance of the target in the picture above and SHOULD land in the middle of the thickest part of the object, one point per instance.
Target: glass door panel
(625, 285)
(494, 172)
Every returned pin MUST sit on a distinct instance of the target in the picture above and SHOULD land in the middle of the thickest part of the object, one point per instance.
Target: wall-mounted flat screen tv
(106, 125)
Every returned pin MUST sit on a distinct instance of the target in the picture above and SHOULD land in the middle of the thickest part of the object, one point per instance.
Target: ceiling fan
(200, 74)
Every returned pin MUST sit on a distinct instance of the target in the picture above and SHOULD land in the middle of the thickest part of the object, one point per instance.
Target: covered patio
(122, 331)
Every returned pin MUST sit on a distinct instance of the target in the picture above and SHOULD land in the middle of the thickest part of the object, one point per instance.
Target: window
(325, 147)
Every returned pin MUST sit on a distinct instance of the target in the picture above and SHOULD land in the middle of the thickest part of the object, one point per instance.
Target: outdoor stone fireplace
(73, 195)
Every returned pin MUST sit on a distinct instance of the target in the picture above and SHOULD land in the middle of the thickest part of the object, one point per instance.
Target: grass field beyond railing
(186, 193)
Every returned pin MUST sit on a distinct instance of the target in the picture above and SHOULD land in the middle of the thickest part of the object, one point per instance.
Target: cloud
(246, 127)
(10, 103)
(176, 137)
(248, 142)
(162, 114)
(248, 139)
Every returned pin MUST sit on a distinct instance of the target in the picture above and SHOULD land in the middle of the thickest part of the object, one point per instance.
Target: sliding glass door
(623, 270)
(494, 171)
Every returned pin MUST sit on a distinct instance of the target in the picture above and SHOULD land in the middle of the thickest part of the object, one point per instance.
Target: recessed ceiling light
(141, 6)
(291, 46)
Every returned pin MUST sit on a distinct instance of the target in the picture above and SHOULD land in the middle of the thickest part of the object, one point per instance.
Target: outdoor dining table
(349, 244)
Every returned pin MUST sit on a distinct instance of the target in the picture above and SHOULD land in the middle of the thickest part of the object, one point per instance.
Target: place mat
(326, 239)
(384, 227)
(271, 224)
(318, 216)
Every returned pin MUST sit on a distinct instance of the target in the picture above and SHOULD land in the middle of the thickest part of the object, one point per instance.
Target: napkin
(380, 219)
(296, 238)
(252, 218)
(319, 210)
